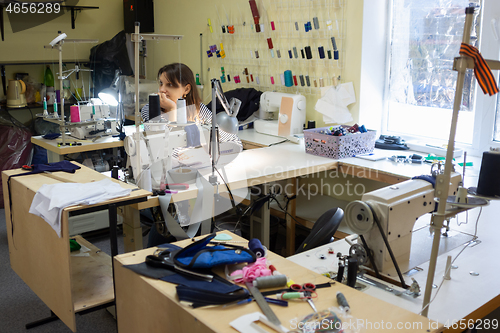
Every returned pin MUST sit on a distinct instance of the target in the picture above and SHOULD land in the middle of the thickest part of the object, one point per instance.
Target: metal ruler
(264, 306)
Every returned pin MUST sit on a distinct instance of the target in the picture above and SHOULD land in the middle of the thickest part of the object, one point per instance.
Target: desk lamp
(443, 180)
(227, 121)
(112, 96)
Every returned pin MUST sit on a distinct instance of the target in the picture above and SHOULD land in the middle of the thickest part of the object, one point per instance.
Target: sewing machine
(397, 207)
(157, 144)
(281, 114)
(99, 122)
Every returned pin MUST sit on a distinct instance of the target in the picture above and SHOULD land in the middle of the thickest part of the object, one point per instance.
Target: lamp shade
(227, 123)
(109, 96)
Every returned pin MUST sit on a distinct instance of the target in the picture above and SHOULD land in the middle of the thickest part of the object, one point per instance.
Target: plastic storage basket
(337, 147)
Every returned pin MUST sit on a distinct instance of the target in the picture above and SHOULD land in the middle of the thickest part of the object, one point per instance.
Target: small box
(318, 143)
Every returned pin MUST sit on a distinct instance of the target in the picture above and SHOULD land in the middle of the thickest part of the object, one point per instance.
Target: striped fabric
(205, 117)
(482, 71)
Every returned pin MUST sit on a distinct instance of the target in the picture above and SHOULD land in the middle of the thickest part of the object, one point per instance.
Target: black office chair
(323, 230)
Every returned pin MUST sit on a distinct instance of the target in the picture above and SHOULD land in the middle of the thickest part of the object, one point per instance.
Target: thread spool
(342, 301)
(316, 23)
(256, 247)
(489, 182)
(288, 78)
(321, 52)
(307, 81)
(181, 111)
(302, 83)
(295, 54)
(352, 271)
(154, 106)
(272, 281)
(75, 113)
(270, 43)
(290, 54)
(114, 172)
(340, 273)
(278, 52)
(302, 53)
(282, 78)
(308, 52)
(336, 55)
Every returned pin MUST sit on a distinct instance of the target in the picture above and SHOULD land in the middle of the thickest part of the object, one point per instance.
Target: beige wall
(27, 45)
(189, 18)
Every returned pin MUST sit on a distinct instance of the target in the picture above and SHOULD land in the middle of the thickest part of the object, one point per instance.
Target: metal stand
(443, 180)
(40, 322)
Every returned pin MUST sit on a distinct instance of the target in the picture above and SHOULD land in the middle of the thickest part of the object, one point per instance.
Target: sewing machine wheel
(129, 145)
(359, 217)
(359, 251)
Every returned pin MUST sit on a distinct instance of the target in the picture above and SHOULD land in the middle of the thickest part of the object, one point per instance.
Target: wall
(27, 45)
(189, 18)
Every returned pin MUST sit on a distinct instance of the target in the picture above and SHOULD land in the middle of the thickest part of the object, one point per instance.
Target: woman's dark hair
(181, 75)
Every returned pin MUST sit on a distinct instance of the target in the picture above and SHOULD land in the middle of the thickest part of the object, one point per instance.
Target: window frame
(371, 86)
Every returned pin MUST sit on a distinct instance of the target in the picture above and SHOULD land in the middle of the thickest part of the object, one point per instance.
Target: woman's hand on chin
(167, 104)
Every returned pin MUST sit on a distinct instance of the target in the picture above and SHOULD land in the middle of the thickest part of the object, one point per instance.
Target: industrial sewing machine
(157, 145)
(98, 121)
(281, 114)
(396, 208)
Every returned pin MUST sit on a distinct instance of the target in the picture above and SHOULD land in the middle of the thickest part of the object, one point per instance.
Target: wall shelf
(73, 9)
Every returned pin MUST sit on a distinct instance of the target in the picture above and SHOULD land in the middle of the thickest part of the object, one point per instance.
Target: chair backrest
(323, 230)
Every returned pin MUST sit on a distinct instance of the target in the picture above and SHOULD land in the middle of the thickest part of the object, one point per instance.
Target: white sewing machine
(157, 145)
(397, 207)
(281, 114)
(99, 120)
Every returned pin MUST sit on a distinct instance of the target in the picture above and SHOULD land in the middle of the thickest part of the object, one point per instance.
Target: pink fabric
(252, 271)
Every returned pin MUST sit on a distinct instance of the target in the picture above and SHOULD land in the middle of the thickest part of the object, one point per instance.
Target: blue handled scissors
(308, 289)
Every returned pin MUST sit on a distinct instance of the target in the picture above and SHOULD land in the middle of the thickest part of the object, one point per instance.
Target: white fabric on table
(50, 200)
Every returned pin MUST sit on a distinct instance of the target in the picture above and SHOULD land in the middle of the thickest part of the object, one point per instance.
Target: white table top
(458, 297)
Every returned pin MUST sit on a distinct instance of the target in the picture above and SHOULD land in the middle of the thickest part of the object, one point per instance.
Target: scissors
(308, 289)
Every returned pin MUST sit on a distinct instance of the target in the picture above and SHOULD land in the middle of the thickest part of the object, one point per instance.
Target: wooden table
(290, 162)
(149, 305)
(56, 154)
(66, 284)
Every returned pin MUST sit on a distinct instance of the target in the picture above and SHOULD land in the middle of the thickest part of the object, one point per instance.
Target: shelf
(92, 278)
(73, 9)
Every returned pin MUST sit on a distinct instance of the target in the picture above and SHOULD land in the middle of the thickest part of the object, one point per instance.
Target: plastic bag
(15, 145)
(108, 57)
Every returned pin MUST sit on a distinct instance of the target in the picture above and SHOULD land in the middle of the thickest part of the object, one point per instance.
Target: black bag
(250, 101)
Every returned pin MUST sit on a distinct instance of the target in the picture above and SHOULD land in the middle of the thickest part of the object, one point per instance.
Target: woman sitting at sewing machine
(177, 81)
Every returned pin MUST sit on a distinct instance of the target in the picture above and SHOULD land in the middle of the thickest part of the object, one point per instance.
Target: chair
(323, 230)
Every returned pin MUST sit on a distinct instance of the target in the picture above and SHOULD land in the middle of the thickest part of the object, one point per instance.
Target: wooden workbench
(150, 305)
(66, 284)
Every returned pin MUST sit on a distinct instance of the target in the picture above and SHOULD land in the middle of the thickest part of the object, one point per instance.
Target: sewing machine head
(158, 144)
(281, 114)
(396, 207)
(99, 120)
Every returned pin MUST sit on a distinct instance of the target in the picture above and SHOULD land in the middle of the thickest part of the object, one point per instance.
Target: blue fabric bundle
(201, 255)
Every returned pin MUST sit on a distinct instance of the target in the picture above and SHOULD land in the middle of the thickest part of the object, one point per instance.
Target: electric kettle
(16, 97)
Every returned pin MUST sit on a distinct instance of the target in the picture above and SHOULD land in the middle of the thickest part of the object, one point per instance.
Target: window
(422, 38)
(425, 38)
